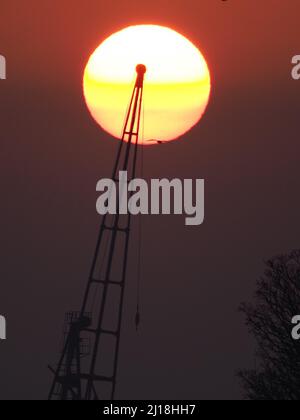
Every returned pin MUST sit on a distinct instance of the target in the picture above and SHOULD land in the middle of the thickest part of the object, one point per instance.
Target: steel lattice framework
(90, 347)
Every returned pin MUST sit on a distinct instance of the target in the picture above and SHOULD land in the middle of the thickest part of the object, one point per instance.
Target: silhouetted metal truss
(87, 369)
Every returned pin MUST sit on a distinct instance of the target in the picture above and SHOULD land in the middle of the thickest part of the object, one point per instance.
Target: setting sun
(177, 83)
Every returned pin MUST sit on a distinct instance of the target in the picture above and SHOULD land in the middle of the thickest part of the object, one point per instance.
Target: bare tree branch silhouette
(269, 320)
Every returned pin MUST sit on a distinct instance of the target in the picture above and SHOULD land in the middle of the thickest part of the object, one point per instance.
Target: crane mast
(88, 365)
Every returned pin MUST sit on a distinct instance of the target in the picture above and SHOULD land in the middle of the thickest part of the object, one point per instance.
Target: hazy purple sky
(192, 338)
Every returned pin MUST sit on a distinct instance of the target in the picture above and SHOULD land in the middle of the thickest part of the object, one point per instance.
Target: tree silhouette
(269, 320)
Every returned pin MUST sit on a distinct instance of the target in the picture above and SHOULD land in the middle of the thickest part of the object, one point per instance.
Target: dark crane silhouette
(87, 368)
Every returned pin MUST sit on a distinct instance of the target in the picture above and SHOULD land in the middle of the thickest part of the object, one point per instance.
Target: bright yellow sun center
(177, 83)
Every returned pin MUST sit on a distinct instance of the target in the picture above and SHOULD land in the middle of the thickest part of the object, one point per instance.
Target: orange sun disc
(176, 88)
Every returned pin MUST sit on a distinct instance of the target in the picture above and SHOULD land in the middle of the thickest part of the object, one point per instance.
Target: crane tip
(141, 69)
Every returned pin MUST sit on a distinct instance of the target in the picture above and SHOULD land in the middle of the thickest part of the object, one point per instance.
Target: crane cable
(140, 234)
(105, 253)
